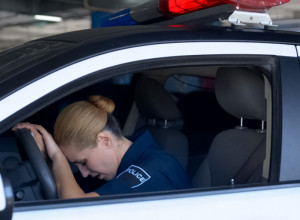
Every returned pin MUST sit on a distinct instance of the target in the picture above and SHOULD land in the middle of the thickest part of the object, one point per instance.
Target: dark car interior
(212, 119)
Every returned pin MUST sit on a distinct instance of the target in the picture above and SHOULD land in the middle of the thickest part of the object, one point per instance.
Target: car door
(248, 202)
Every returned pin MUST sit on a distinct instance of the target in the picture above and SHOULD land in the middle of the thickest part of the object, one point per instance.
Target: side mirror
(6, 198)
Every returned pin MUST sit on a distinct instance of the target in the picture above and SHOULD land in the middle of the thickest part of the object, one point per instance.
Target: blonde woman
(87, 134)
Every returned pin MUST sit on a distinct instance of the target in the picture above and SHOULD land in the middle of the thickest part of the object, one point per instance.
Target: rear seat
(236, 155)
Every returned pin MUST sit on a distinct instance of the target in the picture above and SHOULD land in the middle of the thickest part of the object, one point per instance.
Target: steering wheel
(38, 163)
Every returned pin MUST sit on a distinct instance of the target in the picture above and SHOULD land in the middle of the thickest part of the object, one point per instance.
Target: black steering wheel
(38, 163)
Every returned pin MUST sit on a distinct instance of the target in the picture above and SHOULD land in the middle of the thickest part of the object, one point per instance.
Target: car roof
(111, 33)
(40, 57)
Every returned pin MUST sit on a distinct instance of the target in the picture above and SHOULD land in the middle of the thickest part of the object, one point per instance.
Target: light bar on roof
(256, 4)
(179, 7)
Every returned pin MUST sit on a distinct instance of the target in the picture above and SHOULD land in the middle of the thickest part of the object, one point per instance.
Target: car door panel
(261, 203)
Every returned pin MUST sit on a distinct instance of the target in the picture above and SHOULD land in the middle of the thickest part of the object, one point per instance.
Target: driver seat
(162, 118)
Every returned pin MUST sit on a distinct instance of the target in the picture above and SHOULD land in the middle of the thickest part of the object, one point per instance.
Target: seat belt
(251, 165)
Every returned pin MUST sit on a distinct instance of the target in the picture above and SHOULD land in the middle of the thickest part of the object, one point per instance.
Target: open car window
(193, 136)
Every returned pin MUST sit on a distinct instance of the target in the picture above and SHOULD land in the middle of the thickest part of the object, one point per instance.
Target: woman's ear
(104, 138)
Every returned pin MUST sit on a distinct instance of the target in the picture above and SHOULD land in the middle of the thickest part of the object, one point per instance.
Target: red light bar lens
(258, 4)
(179, 7)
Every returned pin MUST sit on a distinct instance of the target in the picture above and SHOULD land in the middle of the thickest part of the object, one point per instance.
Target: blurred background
(19, 20)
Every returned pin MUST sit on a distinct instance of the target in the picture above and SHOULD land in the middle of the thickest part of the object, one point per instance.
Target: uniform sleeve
(133, 179)
(160, 173)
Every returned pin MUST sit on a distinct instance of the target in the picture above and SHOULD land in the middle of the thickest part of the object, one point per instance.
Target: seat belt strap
(252, 164)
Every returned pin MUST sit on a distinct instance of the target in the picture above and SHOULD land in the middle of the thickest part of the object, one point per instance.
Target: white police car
(223, 100)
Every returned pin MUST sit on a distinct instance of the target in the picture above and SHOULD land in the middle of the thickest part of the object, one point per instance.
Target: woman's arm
(66, 184)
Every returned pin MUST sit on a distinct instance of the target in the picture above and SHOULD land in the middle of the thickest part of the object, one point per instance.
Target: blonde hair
(80, 122)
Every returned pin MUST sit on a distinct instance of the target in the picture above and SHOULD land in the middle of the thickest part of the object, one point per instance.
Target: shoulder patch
(135, 176)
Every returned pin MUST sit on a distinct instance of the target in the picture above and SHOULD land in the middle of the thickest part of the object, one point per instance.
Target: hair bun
(102, 102)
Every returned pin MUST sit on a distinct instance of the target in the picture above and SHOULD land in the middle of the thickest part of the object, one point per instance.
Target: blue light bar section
(97, 18)
(122, 18)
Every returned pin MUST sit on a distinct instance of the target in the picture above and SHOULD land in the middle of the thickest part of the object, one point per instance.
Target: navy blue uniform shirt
(146, 168)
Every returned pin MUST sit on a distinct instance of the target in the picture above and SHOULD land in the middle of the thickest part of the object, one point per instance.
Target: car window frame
(290, 93)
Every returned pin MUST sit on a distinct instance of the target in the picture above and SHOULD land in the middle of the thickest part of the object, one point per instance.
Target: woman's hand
(67, 186)
(42, 137)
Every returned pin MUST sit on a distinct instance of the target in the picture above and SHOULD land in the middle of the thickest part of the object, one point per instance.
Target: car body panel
(262, 203)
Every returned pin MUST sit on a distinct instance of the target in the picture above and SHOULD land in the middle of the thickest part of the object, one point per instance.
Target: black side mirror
(6, 198)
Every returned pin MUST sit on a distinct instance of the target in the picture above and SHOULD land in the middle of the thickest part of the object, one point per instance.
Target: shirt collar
(135, 151)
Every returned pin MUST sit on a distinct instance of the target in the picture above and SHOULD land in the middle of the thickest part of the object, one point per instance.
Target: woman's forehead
(73, 154)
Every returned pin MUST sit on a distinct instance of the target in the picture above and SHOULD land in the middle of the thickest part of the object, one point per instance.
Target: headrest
(240, 91)
(154, 102)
